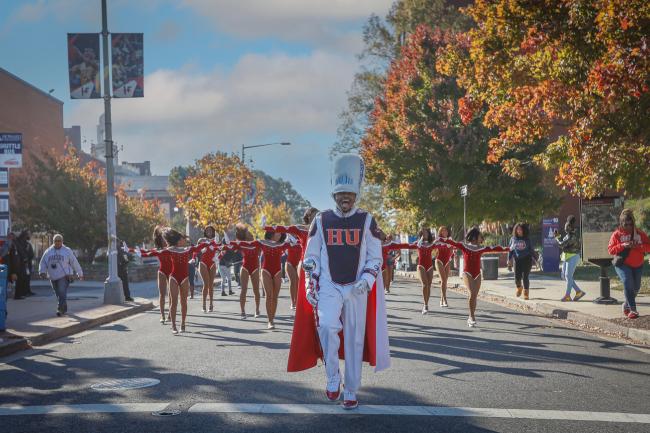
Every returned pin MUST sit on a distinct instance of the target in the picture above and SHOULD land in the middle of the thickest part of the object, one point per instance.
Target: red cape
(305, 349)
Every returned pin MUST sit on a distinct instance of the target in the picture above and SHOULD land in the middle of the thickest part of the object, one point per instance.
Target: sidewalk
(545, 294)
(32, 321)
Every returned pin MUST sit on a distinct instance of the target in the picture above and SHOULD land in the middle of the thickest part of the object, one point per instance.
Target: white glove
(361, 287)
(312, 292)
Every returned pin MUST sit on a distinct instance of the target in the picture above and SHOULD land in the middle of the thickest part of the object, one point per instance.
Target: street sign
(11, 150)
(463, 191)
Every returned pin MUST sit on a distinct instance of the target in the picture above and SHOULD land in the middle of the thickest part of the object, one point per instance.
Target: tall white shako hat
(347, 175)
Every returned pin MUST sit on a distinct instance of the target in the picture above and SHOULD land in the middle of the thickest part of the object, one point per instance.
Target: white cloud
(187, 113)
(322, 23)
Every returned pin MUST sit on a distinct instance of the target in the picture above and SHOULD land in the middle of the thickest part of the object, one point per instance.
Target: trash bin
(490, 267)
(3, 297)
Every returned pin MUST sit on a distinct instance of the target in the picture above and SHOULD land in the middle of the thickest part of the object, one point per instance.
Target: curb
(597, 323)
(47, 337)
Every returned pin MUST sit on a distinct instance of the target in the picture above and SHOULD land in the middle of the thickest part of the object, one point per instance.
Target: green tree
(278, 191)
(60, 195)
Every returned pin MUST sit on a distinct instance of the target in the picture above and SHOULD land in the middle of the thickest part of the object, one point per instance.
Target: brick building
(33, 112)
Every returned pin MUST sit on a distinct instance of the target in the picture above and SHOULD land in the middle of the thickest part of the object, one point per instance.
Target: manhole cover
(170, 412)
(119, 384)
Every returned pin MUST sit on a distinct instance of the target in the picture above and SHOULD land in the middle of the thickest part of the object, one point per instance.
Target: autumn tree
(421, 150)
(62, 195)
(217, 191)
(270, 214)
(383, 40)
(573, 75)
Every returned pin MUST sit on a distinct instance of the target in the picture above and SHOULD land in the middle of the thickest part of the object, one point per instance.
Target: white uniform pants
(341, 308)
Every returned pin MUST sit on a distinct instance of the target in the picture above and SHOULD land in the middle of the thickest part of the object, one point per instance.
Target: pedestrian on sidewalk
(10, 258)
(123, 259)
(25, 263)
(522, 254)
(629, 244)
(60, 265)
(570, 247)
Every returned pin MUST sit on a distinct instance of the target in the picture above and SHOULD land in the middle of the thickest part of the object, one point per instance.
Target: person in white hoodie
(60, 265)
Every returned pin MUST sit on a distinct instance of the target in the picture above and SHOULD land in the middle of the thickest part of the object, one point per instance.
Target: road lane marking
(81, 408)
(466, 412)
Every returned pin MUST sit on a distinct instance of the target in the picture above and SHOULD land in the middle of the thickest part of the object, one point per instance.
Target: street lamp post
(243, 159)
(113, 293)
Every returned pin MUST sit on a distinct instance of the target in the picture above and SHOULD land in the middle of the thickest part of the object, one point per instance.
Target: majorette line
(339, 264)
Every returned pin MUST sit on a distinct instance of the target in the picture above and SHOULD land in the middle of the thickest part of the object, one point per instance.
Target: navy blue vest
(343, 238)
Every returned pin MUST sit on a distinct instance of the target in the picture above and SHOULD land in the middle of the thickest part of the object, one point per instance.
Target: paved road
(511, 361)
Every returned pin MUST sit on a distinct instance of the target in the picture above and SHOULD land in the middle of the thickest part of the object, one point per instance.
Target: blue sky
(219, 73)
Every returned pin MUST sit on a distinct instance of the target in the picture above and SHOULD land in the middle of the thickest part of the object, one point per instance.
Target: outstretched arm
(454, 244)
(495, 249)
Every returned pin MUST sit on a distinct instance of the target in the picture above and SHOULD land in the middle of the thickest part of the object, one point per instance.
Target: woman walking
(570, 247)
(294, 256)
(250, 270)
(628, 245)
(180, 255)
(425, 249)
(443, 263)
(472, 250)
(164, 269)
(272, 248)
(388, 249)
(208, 266)
(523, 254)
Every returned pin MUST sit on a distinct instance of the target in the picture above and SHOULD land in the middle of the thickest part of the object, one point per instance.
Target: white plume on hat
(348, 173)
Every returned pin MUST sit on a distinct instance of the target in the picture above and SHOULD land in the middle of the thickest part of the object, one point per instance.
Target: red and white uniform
(346, 249)
(387, 248)
(472, 255)
(272, 260)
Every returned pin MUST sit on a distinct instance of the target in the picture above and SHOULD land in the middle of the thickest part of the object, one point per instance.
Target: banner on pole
(550, 247)
(127, 52)
(83, 65)
(11, 150)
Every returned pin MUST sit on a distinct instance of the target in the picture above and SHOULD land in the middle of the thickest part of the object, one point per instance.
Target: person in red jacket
(629, 245)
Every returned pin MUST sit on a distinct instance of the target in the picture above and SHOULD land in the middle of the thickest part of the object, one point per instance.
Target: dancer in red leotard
(250, 269)
(443, 263)
(272, 247)
(207, 266)
(164, 269)
(296, 278)
(387, 246)
(472, 252)
(425, 249)
(178, 279)
(294, 256)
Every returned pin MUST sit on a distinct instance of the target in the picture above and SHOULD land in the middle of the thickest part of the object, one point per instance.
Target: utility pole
(113, 293)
